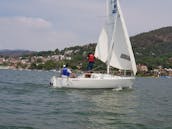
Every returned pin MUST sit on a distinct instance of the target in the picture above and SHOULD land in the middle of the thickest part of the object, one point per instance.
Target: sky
(50, 24)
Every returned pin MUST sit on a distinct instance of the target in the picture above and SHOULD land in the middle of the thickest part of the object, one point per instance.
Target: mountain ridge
(16, 52)
(154, 36)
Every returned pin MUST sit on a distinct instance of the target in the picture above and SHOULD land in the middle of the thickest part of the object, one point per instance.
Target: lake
(28, 102)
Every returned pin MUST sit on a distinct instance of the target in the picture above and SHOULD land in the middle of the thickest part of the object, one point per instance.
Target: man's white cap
(64, 65)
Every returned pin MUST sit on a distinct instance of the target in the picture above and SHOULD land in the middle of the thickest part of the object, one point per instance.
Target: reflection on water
(101, 107)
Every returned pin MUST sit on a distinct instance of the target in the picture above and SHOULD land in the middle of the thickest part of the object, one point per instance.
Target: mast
(108, 69)
(112, 12)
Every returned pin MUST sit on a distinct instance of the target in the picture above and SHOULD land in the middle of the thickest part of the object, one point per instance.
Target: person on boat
(91, 60)
(66, 72)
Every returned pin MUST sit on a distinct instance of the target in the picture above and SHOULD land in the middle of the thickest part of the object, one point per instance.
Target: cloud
(50, 24)
(31, 33)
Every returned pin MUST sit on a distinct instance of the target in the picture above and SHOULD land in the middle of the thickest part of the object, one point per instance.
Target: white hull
(93, 82)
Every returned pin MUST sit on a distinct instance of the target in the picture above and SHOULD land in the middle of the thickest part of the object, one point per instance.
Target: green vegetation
(152, 49)
(48, 65)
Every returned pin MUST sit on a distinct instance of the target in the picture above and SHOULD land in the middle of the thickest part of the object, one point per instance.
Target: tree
(50, 64)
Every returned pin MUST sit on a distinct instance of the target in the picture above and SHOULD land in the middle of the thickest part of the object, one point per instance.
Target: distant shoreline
(4, 67)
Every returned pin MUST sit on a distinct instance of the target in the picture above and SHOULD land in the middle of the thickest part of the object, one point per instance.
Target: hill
(15, 53)
(155, 42)
(154, 48)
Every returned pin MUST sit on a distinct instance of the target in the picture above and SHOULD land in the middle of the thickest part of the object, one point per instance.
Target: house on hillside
(142, 68)
(2, 60)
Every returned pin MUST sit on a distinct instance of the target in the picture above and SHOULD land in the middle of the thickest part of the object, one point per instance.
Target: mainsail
(114, 47)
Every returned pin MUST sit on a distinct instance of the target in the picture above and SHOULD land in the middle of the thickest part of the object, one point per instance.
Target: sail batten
(114, 46)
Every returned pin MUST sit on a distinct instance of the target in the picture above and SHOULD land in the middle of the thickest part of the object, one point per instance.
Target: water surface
(28, 102)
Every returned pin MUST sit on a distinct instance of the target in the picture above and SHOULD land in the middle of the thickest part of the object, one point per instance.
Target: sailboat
(113, 48)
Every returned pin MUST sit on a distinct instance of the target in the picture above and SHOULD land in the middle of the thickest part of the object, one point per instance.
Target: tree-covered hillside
(154, 48)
